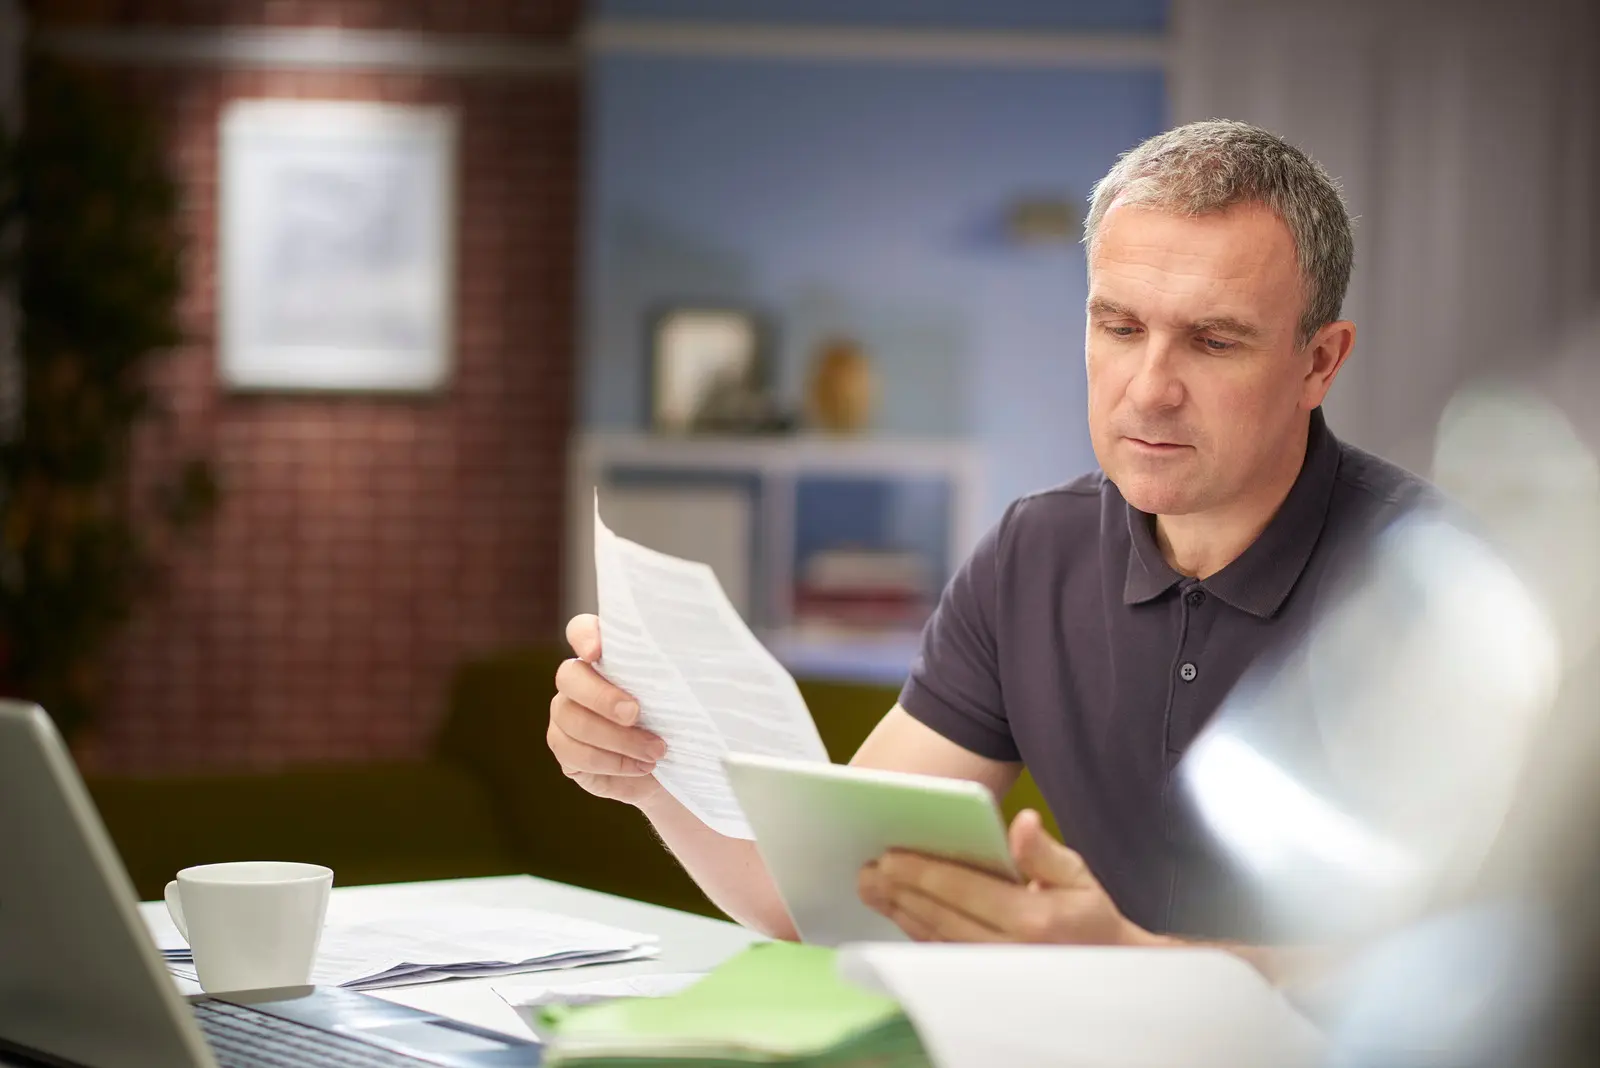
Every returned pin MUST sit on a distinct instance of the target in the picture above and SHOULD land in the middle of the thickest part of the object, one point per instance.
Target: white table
(689, 943)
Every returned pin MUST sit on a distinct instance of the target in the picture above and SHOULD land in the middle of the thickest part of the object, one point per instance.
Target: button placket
(1188, 671)
(1194, 628)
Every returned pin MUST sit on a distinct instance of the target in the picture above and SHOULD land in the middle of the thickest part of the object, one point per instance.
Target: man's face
(1196, 379)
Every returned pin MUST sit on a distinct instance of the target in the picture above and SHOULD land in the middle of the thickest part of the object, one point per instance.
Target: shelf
(781, 453)
(883, 658)
(757, 508)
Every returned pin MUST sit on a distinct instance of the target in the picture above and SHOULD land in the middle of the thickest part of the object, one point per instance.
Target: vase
(844, 389)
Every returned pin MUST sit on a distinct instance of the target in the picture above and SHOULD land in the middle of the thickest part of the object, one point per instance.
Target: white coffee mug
(251, 924)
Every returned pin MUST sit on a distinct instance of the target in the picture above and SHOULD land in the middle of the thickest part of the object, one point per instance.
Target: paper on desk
(398, 947)
(774, 1002)
(704, 683)
(528, 998)
(1086, 1007)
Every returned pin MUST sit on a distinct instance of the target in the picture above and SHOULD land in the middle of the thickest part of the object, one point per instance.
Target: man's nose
(1156, 385)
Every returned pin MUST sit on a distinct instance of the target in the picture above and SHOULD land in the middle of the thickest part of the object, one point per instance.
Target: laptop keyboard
(240, 1038)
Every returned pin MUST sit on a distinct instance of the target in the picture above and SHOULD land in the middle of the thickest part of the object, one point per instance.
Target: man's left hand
(1059, 899)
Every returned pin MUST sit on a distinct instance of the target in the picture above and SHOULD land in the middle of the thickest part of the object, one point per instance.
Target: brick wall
(534, 18)
(365, 545)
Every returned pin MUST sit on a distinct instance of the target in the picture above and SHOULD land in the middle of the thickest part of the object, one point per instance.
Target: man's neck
(1202, 543)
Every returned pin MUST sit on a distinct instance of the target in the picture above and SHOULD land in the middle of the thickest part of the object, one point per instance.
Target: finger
(587, 726)
(872, 888)
(587, 687)
(1022, 827)
(576, 757)
(1041, 858)
(583, 634)
(942, 922)
(986, 898)
(914, 928)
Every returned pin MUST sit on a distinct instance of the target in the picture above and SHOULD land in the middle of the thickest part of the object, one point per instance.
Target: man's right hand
(592, 726)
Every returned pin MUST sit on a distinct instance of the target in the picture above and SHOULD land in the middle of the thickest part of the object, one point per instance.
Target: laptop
(82, 984)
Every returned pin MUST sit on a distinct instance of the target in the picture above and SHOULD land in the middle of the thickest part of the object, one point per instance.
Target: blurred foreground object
(1548, 861)
(1418, 783)
(1367, 772)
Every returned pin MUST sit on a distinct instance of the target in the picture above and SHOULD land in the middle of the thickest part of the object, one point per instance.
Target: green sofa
(488, 800)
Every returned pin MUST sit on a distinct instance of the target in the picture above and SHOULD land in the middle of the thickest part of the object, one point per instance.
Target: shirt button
(1188, 672)
(1197, 598)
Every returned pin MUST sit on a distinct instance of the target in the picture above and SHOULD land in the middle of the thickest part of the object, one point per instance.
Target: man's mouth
(1158, 446)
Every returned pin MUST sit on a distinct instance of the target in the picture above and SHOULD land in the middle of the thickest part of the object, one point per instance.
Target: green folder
(774, 1003)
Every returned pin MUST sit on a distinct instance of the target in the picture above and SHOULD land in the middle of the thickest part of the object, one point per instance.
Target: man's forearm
(1282, 965)
(729, 870)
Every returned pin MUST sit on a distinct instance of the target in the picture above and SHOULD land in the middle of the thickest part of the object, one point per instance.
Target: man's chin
(1158, 496)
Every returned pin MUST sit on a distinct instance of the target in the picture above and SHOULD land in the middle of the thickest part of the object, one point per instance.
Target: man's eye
(1117, 330)
(1213, 344)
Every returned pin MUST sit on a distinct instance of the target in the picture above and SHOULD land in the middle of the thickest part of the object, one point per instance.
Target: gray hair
(1210, 166)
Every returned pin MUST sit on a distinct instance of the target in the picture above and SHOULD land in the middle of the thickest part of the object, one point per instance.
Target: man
(1098, 625)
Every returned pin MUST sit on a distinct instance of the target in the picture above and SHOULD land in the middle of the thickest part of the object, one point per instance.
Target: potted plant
(92, 259)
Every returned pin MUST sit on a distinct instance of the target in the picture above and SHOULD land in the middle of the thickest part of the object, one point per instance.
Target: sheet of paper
(425, 945)
(533, 996)
(1086, 1007)
(775, 1001)
(704, 683)
(407, 975)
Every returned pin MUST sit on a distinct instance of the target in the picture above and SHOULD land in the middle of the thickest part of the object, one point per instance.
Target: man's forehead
(1239, 263)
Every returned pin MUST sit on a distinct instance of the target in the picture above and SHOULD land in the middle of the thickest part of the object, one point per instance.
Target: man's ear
(1329, 348)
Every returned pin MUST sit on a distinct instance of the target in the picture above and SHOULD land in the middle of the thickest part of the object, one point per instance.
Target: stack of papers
(1087, 1006)
(396, 948)
(774, 1003)
(531, 999)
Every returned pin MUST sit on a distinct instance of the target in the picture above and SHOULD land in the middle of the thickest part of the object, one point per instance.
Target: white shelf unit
(777, 465)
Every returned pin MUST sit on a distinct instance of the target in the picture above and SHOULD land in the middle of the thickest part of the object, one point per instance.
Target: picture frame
(695, 351)
(336, 246)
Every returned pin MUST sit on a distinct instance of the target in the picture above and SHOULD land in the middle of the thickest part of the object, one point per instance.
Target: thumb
(583, 634)
(1040, 858)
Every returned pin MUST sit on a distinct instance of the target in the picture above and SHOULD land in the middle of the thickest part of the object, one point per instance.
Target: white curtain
(1464, 134)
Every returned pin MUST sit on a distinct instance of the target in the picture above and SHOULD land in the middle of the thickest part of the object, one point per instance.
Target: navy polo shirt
(1066, 642)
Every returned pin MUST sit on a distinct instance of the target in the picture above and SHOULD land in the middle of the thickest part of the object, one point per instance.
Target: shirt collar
(1260, 579)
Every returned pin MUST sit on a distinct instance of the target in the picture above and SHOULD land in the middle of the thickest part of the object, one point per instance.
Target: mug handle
(175, 909)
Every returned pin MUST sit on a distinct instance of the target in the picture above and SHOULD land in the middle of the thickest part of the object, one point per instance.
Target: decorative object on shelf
(1043, 220)
(707, 373)
(733, 407)
(336, 246)
(98, 278)
(843, 389)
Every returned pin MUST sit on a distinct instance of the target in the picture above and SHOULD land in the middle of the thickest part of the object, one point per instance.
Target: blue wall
(1147, 16)
(867, 199)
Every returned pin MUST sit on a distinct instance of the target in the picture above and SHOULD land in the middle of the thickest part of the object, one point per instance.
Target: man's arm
(594, 734)
(1282, 965)
(731, 872)
(902, 743)
(1059, 901)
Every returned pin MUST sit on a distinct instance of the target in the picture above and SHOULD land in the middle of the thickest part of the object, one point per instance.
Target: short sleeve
(954, 683)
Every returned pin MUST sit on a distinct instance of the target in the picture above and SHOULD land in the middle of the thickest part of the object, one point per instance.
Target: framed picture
(704, 362)
(336, 246)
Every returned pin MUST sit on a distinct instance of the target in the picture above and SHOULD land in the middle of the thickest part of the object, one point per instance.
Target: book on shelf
(874, 589)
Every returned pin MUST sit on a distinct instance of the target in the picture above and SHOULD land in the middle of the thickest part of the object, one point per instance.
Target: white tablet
(816, 824)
